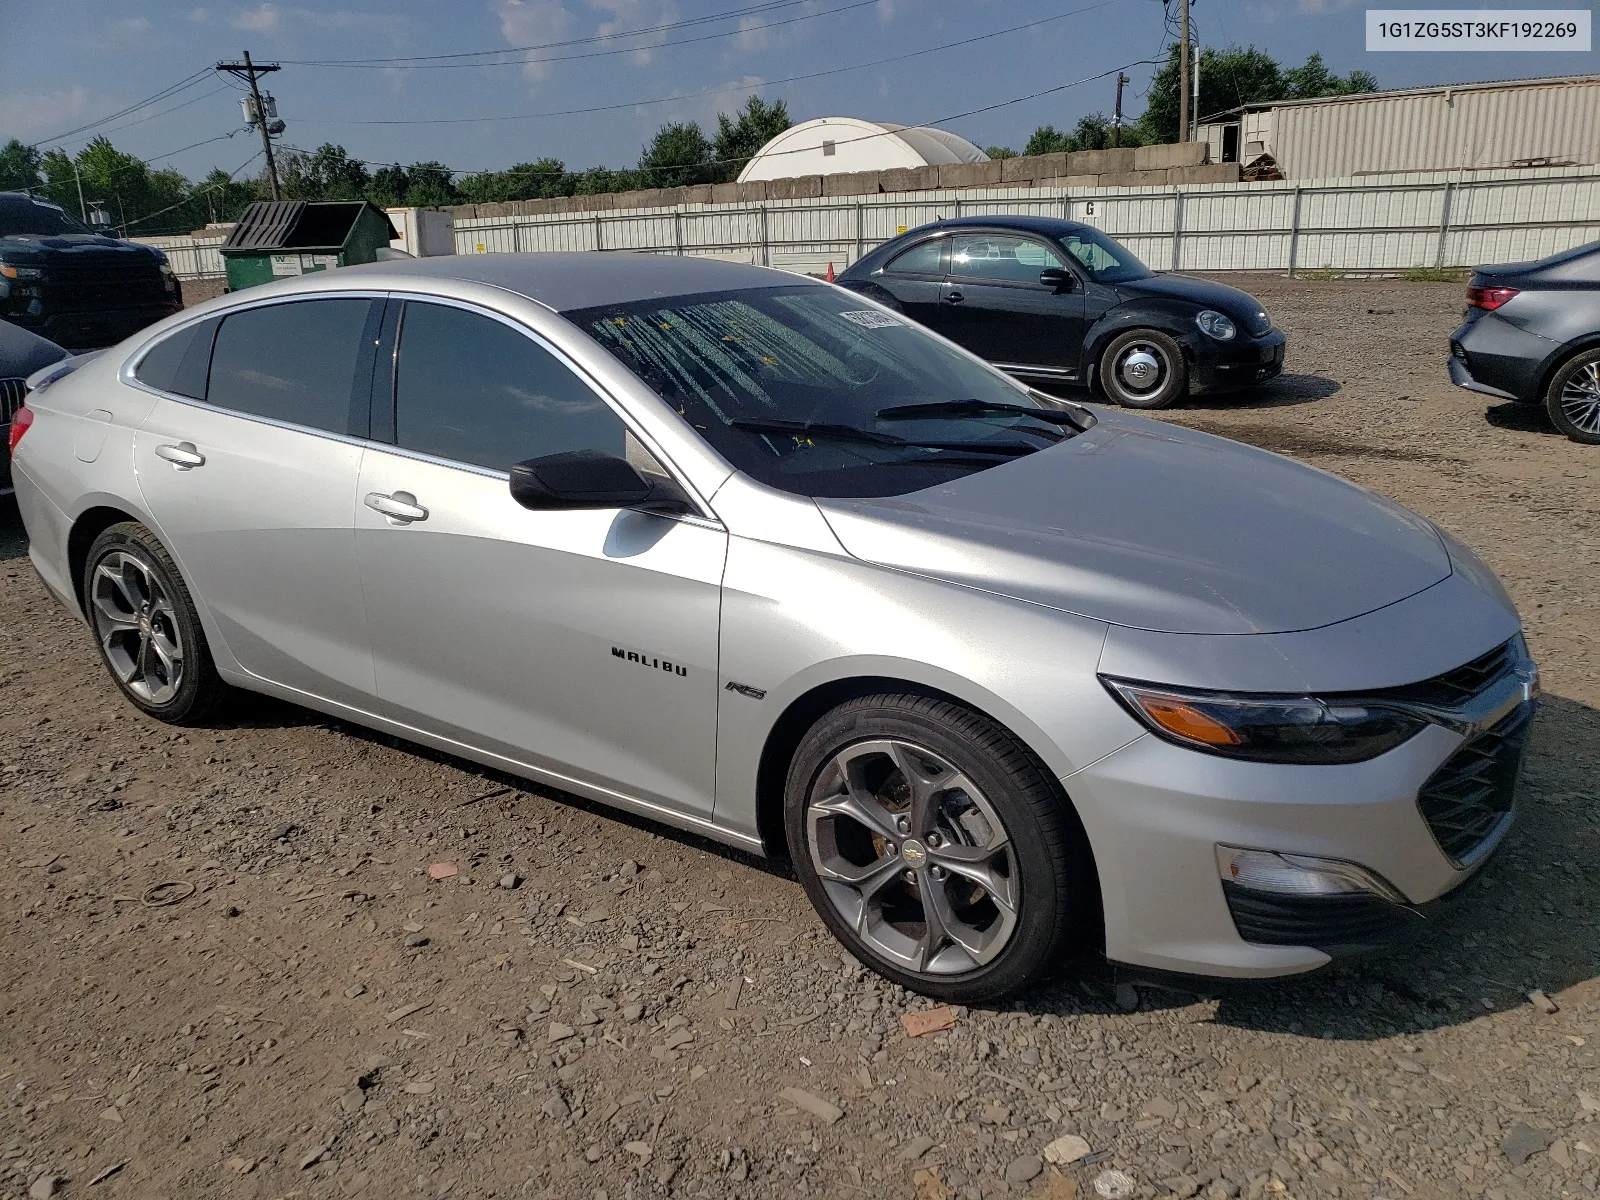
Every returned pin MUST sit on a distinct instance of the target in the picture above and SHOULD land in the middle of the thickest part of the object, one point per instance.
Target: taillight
(20, 420)
(1489, 298)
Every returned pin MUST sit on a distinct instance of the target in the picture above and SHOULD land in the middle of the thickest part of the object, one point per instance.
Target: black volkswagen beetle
(1047, 299)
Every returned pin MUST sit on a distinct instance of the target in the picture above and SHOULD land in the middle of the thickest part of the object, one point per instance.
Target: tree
(430, 185)
(1231, 77)
(220, 197)
(678, 155)
(523, 181)
(19, 166)
(996, 153)
(327, 173)
(741, 136)
(1092, 132)
(388, 186)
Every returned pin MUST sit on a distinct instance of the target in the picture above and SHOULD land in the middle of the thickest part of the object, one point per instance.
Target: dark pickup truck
(78, 288)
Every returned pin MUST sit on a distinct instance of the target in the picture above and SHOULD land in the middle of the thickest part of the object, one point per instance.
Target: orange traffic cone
(829, 275)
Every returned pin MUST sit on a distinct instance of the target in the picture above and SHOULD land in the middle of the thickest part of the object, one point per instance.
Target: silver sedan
(753, 556)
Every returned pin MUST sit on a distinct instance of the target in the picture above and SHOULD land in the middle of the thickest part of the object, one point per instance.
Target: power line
(568, 112)
(704, 37)
(187, 81)
(769, 6)
(162, 113)
(263, 119)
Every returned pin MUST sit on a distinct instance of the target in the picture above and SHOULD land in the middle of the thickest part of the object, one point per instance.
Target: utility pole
(1116, 121)
(1194, 94)
(1183, 75)
(83, 212)
(265, 112)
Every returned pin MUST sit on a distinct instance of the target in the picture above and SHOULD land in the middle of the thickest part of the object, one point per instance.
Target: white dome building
(834, 145)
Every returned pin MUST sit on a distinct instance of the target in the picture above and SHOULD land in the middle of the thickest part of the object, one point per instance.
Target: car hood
(43, 247)
(1200, 292)
(1153, 526)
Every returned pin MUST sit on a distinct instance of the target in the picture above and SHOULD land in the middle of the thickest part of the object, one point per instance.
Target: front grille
(1467, 798)
(102, 282)
(12, 394)
(1457, 687)
(1330, 923)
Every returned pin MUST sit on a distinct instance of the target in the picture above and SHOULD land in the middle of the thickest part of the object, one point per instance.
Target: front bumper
(1241, 362)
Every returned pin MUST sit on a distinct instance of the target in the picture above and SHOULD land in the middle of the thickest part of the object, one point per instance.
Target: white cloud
(529, 23)
(199, 15)
(257, 20)
(753, 34)
(40, 114)
(130, 26)
(636, 14)
(885, 11)
(702, 108)
(271, 18)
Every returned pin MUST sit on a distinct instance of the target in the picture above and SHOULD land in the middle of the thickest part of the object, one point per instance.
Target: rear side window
(919, 260)
(297, 362)
(178, 364)
(471, 389)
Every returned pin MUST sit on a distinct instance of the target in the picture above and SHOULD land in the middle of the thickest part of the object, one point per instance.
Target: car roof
(586, 279)
(1049, 226)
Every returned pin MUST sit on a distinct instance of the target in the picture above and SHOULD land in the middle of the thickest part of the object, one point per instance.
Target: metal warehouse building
(1469, 126)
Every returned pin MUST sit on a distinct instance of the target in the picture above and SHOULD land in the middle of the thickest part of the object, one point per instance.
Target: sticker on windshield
(869, 318)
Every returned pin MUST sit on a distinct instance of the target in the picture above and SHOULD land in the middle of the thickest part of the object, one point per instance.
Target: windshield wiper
(849, 433)
(977, 408)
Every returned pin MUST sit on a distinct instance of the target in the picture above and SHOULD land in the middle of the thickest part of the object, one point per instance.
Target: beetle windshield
(788, 384)
(1103, 259)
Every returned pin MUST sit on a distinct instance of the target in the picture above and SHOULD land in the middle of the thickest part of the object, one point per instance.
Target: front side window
(474, 390)
(1000, 258)
(805, 390)
(919, 260)
(296, 362)
(1103, 259)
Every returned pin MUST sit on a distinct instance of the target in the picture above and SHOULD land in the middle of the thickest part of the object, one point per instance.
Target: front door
(582, 643)
(252, 487)
(914, 277)
(997, 308)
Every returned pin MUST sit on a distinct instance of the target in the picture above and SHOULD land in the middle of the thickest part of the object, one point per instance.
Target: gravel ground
(591, 1006)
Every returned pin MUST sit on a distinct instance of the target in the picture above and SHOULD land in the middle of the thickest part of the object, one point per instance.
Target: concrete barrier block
(1100, 162)
(799, 187)
(697, 193)
(1031, 168)
(965, 175)
(1209, 173)
(1134, 179)
(851, 183)
(1070, 181)
(1169, 155)
(924, 179)
(725, 193)
(896, 179)
(755, 190)
(494, 210)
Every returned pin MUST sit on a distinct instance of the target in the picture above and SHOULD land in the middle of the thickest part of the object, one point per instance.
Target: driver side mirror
(1058, 278)
(578, 479)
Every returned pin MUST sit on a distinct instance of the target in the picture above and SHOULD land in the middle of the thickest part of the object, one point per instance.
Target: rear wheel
(1573, 398)
(146, 627)
(936, 847)
(1144, 369)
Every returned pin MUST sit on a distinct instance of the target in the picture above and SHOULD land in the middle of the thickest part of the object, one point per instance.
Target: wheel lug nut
(904, 825)
(891, 849)
(939, 873)
(911, 876)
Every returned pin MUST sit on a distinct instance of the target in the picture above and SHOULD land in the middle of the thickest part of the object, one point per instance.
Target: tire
(856, 827)
(1573, 398)
(146, 628)
(1139, 354)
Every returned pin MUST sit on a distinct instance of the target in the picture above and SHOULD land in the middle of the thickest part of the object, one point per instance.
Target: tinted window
(805, 390)
(472, 389)
(34, 216)
(919, 260)
(999, 257)
(295, 362)
(1102, 258)
(178, 364)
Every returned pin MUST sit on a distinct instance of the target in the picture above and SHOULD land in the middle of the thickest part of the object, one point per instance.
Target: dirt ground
(596, 1007)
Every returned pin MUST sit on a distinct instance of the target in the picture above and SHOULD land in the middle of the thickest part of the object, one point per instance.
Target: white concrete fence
(1380, 223)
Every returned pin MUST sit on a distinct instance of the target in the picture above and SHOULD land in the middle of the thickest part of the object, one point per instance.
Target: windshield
(1102, 258)
(794, 386)
(32, 216)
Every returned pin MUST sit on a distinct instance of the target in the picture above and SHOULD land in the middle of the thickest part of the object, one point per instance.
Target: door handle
(183, 456)
(953, 297)
(401, 508)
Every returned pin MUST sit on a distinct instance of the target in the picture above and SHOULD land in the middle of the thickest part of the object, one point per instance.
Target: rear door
(997, 308)
(582, 643)
(251, 484)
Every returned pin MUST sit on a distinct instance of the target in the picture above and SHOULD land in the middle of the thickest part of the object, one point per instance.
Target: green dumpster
(278, 238)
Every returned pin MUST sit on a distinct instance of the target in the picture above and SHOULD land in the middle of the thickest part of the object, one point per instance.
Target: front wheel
(1144, 369)
(1573, 398)
(937, 848)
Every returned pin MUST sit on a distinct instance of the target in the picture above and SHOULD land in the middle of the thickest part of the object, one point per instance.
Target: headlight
(1214, 324)
(9, 272)
(165, 267)
(1269, 728)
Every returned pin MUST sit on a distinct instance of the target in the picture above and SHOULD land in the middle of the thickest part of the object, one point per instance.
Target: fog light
(1300, 875)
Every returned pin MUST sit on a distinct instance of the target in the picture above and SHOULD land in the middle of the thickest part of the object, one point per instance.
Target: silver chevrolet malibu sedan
(755, 557)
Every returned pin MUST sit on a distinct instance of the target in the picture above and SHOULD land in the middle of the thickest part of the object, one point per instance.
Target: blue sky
(71, 62)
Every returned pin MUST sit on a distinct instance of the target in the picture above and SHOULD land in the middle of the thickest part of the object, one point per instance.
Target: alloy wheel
(137, 627)
(1580, 398)
(913, 857)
